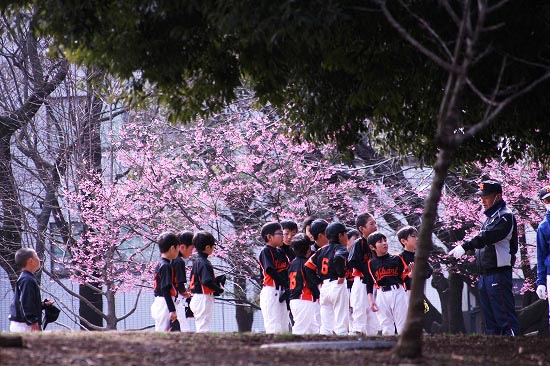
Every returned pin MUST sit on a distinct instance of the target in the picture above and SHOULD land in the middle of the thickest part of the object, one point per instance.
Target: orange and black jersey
(180, 278)
(359, 256)
(302, 286)
(329, 262)
(384, 271)
(202, 277)
(408, 257)
(163, 286)
(274, 267)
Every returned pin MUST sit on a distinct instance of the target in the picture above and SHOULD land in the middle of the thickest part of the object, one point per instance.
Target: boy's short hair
(375, 238)
(202, 239)
(362, 219)
(300, 245)
(317, 227)
(22, 256)
(404, 232)
(186, 238)
(166, 240)
(308, 221)
(353, 232)
(289, 225)
(334, 229)
(269, 229)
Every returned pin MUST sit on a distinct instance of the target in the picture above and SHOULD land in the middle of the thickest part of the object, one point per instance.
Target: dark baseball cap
(51, 313)
(489, 187)
(544, 193)
(317, 227)
(335, 228)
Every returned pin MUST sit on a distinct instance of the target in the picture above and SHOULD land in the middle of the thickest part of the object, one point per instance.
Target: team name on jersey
(280, 265)
(386, 272)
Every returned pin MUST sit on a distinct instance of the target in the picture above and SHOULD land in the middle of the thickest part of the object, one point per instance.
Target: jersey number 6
(324, 266)
(292, 277)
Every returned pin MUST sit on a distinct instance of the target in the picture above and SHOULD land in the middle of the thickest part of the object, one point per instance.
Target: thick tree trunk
(456, 317)
(90, 150)
(410, 342)
(85, 311)
(244, 314)
(111, 311)
(11, 219)
(395, 181)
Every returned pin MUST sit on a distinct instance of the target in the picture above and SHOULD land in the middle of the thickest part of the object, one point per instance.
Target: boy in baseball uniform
(274, 267)
(304, 291)
(387, 273)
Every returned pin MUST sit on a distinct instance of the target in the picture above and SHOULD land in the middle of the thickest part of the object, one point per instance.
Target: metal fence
(223, 319)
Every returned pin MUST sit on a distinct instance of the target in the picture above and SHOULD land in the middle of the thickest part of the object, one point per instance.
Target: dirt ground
(149, 348)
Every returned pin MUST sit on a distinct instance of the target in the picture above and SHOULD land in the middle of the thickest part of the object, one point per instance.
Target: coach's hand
(457, 252)
(541, 292)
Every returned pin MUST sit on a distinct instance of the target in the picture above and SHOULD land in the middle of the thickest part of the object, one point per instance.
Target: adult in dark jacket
(495, 247)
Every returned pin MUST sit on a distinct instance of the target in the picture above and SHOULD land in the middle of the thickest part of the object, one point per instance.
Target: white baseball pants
(392, 309)
(275, 313)
(180, 310)
(304, 316)
(19, 327)
(160, 314)
(202, 306)
(363, 319)
(334, 301)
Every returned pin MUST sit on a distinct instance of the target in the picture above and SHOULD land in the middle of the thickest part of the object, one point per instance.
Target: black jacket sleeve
(168, 297)
(166, 286)
(494, 232)
(355, 259)
(29, 298)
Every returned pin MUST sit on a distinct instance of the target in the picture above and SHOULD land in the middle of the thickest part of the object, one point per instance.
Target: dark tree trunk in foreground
(456, 318)
(90, 144)
(88, 313)
(244, 313)
(410, 342)
(11, 219)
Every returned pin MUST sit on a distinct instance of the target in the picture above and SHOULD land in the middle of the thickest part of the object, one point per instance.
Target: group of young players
(332, 280)
(328, 279)
(173, 303)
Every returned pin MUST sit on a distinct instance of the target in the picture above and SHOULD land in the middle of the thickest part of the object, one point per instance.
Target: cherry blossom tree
(228, 175)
